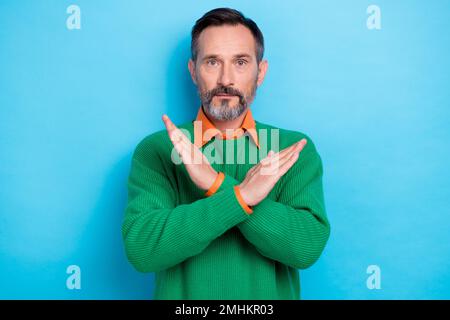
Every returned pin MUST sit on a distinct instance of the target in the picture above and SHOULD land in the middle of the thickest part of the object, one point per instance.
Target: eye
(212, 62)
(241, 62)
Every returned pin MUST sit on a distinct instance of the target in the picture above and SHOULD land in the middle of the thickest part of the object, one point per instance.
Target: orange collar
(207, 130)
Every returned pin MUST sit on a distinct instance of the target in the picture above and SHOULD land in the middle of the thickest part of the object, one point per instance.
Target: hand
(262, 177)
(197, 165)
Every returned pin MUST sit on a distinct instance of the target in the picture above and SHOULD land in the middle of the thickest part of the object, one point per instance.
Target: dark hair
(226, 16)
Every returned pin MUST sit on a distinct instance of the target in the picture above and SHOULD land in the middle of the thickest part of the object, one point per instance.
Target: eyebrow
(216, 56)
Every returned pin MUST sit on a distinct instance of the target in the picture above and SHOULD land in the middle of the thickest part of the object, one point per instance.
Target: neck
(223, 125)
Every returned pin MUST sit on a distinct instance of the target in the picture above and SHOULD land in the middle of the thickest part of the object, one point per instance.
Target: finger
(189, 153)
(178, 147)
(184, 152)
(281, 165)
(287, 150)
(176, 134)
(262, 162)
(297, 149)
(252, 170)
(271, 164)
(276, 158)
(179, 140)
(292, 148)
(193, 154)
(173, 135)
(181, 143)
(168, 123)
(288, 164)
(268, 158)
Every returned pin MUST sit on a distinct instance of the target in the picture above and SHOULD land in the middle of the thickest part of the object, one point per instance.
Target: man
(208, 219)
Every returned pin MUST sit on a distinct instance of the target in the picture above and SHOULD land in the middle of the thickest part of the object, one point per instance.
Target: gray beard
(224, 112)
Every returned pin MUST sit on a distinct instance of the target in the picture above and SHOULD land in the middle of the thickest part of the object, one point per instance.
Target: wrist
(247, 208)
(245, 196)
(211, 178)
(217, 179)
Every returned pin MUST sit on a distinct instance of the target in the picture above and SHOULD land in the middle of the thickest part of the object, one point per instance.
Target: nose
(226, 77)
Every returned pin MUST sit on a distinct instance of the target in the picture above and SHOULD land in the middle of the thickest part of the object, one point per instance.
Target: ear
(191, 67)
(262, 69)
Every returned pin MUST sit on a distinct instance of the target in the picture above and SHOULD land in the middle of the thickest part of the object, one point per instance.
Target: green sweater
(204, 247)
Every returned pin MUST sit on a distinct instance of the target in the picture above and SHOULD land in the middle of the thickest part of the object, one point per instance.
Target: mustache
(223, 90)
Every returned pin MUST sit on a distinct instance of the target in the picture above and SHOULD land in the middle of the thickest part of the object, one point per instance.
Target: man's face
(226, 71)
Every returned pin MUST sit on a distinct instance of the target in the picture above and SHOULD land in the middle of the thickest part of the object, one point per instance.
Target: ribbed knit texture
(208, 247)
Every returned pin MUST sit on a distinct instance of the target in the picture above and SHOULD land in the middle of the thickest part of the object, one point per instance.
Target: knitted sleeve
(157, 232)
(294, 229)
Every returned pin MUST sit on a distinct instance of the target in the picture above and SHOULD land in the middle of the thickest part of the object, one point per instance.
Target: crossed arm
(292, 229)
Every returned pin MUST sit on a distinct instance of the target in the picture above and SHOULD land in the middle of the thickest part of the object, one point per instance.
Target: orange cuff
(215, 186)
(241, 201)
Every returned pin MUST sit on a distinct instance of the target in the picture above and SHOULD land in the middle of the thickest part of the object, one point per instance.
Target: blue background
(75, 103)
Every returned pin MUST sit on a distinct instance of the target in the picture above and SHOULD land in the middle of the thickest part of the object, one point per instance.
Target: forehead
(226, 40)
